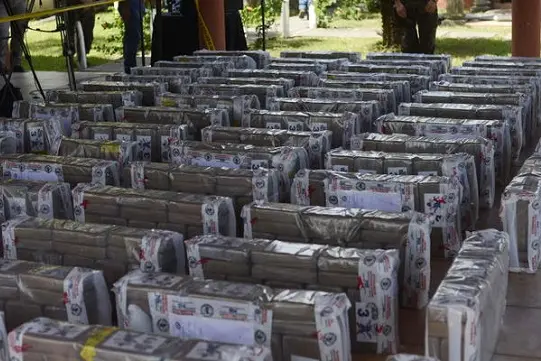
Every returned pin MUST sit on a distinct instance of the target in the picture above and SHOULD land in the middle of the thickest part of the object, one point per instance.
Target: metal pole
(263, 29)
(142, 27)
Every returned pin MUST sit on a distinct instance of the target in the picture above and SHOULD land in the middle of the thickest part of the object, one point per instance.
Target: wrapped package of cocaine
(481, 149)
(393, 69)
(73, 294)
(352, 56)
(115, 98)
(286, 322)
(317, 68)
(51, 340)
(510, 64)
(189, 214)
(501, 58)
(342, 125)
(263, 92)
(8, 142)
(314, 267)
(195, 119)
(367, 111)
(417, 82)
(218, 68)
(175, 83)
(285, 83)
(301, 78)
(51, 168)
(261, 58)
(330, 64)
(239, 61)
(67, 112)
(236, 106)
(401, 88)
(461, 165)
(444, 58)
(46, 200)
(122, 152)
(409, 357)
(512, 115)
(385, 96)
(31, 136)
(465, 315)
(288, 160)
(495, 130)
(193, 73)
(317, 144)
(439, 197)
(113, 249)
(491, 70)
(409, 232)
(153, 139)
(149, 90)
(436, 67)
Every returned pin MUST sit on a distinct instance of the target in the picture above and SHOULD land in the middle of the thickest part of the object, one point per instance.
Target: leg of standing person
(4, 37)
(428, 25)
(303, 8)
(131, 14)
(88, 21)
(18, 28)
(410, 38)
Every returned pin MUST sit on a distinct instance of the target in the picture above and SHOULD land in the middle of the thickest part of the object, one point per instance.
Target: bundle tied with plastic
(481, 149)
(436, 67)
(51, 340)
(236, 106)
(121, 152)
(67, 113)
(239, 61)
(73, 294)
(389, 68)
(330, 64)
(149, 90)
(153, 139)
(113, 249)
(401, 88)
(8, 143)
(509, 64)
(286, 321)
(189, 214)
(461, 165)
(195, 119)
(409, 357)
(284, 83)
(317, 68)
(465, 315)
(352, 56)
(317, 144)
(218, 68)
(444, 58)
(263, 92)
(342, 125)
(352, 228)
(495, 130)
(313, 267)
(502, 58)
(262, 58)
(193, 73)
(417, 82)
(385, 97)
(175, 83)
(438, 197)
(367, 111)
(30, 135)
(301, 78)
(115, 98)
(46, 200)
(50, 168)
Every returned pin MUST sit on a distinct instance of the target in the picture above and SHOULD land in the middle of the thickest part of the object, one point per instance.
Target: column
(213, 13)
(526, 27)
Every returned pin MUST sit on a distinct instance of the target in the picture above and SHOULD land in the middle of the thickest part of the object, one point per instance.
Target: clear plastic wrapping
(492, 69)
(510, 64)
(330, 64)
(461, 165)
(480, 148)
(495, 130)
(501, 58)
(239, 61)
(50, 168)
(342, 125)
(366, 111)
(262, 58)
(301, 78)
(51, 340)
(285, 83)
(149, 90)
(218, 68)
(186, 213)
(317, 68)
(121, 152)
(113, 249)
(352, 228)
(417, 82)
(465, 314)
(393, 69)
(74, 294)
(263, 92)
(115, 98)
(193, 73)
(352, 56)
(438, 197)
(317, 144)
(401, 88)
(153, 139)
(237, 106)
(444, 58)
(174, 83)
(436, 67)
(410, 357)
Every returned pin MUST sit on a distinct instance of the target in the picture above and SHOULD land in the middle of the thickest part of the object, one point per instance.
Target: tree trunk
(455, 8)
(391, 32)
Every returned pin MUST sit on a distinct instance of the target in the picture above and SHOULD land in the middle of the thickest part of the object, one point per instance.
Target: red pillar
(526, 27)
(213, 14)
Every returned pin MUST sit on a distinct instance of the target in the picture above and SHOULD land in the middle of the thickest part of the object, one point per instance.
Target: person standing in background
(132, 12)
(303, 8)
(18, 29)
(235, 38)
(419, 22)
(87, 17)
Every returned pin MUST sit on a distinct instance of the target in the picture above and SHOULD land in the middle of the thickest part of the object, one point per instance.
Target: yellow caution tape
(110, 147)
(88, 353)
(207, 38)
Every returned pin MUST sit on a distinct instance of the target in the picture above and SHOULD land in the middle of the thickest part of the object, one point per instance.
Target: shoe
(302, 14)
(18, 69)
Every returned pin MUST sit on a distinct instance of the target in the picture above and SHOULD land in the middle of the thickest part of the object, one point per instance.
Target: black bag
(8, 95)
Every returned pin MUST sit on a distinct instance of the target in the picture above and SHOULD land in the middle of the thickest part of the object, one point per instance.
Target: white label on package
(74, 296)
(387, 202)
(436, 206)
(130, 342)
(295, 126)
(366, 171)
(273, 125)
(397, 170)
(145, 146)
(225, 161)
(318, 127)
(259, 163)
(123, 137)
(340, 168)
(366, 317)
(101, 136)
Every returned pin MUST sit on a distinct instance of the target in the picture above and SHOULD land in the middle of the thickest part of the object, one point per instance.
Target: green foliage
(327, 10)
(251, 18)
(323, 12)
(113, 44)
